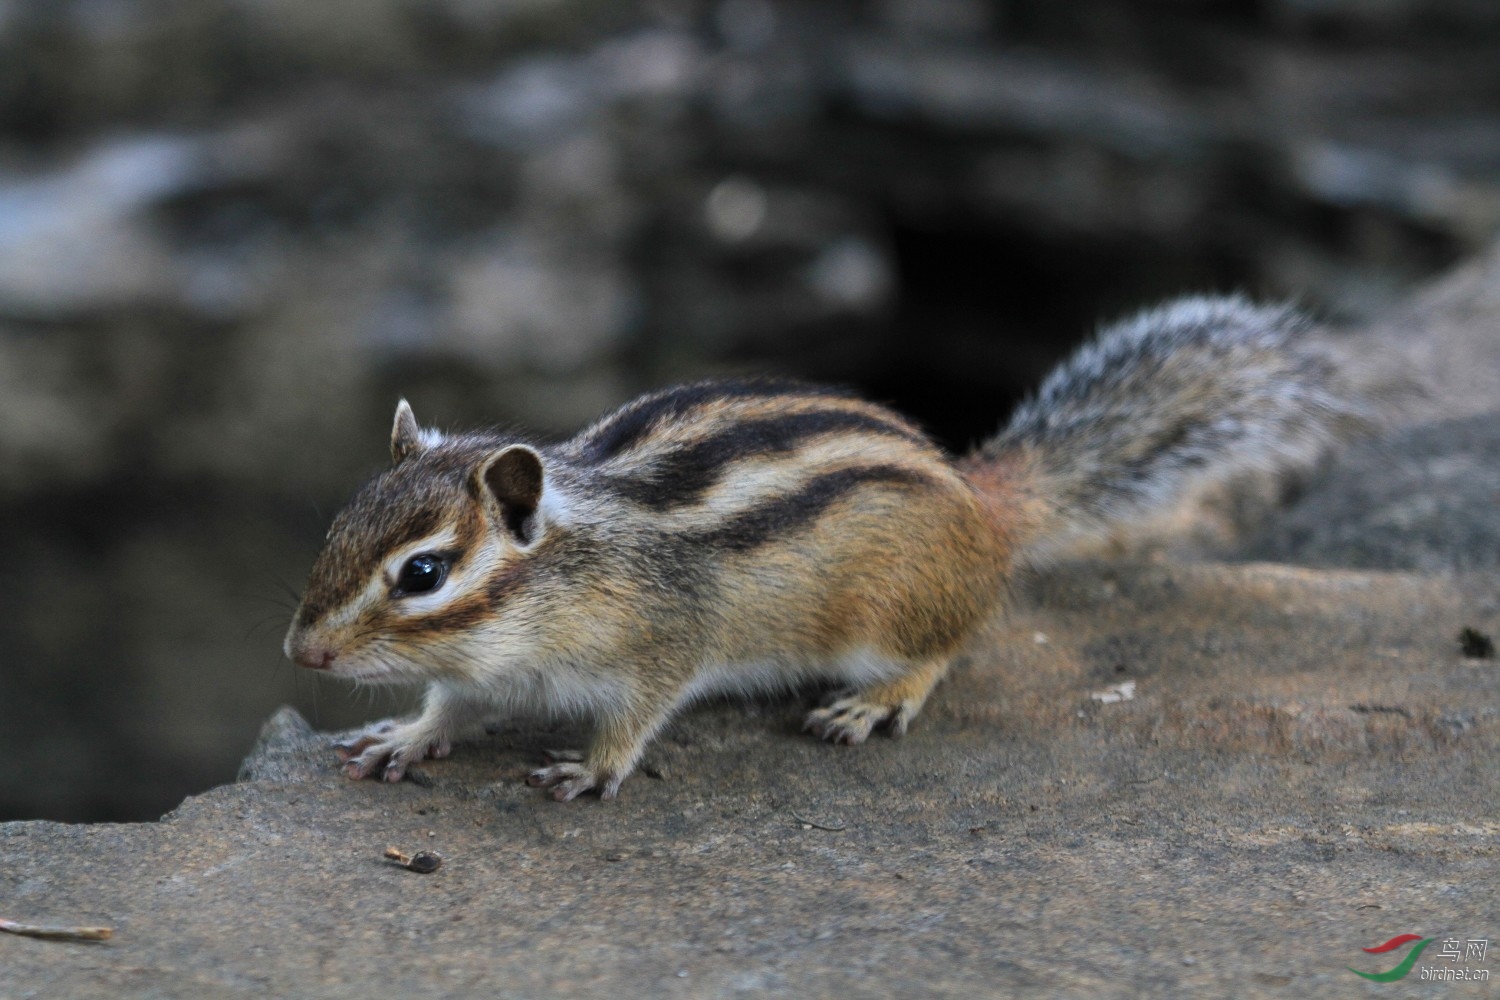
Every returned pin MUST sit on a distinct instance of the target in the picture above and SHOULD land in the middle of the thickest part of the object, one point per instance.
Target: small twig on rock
(57, 933)
(818, 826)
(1364, 709)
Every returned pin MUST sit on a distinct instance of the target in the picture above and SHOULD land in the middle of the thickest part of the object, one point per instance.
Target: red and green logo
(1400, 971)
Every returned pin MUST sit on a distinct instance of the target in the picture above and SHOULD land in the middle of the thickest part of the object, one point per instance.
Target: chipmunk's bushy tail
(1195, 391)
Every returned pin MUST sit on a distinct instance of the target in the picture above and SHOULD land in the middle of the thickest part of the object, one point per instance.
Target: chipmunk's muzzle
(306, 652)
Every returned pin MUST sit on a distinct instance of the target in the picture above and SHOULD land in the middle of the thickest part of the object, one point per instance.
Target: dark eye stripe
(470, 611)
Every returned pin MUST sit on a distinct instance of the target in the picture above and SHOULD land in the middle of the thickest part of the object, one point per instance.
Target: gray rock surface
(1423, 498)
(1306, 767)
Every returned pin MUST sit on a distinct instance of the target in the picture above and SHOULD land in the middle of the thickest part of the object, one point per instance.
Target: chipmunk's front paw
(851, 719)
(389, 748)
(569, 777)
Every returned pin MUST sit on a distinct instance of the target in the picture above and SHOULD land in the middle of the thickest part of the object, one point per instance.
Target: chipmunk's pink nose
(316, 659)
(312, 655)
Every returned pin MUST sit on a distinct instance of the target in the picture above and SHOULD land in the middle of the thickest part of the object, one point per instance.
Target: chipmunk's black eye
(421, 574)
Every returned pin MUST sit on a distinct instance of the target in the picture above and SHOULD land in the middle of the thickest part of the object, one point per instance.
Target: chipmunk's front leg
(389, 747)
(618, 742)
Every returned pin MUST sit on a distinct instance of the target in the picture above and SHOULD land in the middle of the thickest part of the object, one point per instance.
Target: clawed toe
(388, 750)
(347, 750)
(361, 766)
(568, 780)
(851, 720)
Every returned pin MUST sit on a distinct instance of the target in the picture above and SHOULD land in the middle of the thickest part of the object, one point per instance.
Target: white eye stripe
(377, 589)
(473, 572)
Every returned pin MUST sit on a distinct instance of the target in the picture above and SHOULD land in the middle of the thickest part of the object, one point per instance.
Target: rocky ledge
(1165, 777)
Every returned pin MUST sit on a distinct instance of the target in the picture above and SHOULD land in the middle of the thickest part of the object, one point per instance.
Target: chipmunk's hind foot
(892, 705)
(852, 719)
(569, 778)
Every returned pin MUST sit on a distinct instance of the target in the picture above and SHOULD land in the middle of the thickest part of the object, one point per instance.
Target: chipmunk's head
(424, 558)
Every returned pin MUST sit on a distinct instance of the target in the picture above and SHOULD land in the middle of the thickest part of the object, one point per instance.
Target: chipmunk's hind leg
(890, 704)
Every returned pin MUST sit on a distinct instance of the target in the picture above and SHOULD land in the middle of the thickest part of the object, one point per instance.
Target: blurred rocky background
(232, 232)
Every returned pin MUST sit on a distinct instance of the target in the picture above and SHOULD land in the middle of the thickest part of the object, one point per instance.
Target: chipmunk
(752, 535)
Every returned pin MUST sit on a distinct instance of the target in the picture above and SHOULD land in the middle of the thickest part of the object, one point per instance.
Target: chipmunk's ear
(406, 436)
(511, 482)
